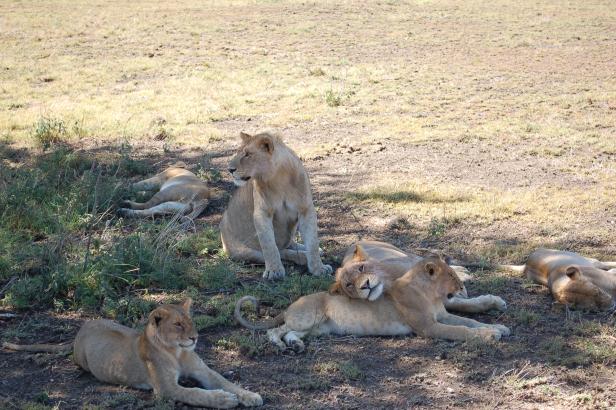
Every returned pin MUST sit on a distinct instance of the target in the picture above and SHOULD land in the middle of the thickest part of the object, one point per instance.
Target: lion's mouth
(375, 292)
(188, 345)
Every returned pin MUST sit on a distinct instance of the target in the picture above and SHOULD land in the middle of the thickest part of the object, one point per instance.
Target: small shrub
(48, 131)
(333, 99)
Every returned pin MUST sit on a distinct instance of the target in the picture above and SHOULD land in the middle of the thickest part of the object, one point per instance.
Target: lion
(370, 267)
(153, 359)
(272, 202)
(414, 303)
(574, 280)
(179, 192)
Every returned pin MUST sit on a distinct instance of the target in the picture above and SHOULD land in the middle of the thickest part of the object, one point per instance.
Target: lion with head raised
(154, 359)
(413, 303)
(369, 268)
(273, 202)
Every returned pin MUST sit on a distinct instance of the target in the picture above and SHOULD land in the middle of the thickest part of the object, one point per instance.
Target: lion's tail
(514, 268)
(263, 325)
(39, 348)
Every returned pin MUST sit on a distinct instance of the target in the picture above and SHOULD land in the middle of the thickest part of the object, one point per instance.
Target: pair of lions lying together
(382, 291)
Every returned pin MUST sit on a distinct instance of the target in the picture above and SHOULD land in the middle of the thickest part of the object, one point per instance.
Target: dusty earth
(510, 148)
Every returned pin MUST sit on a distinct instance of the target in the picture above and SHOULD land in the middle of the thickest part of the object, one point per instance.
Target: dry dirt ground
(484, 129)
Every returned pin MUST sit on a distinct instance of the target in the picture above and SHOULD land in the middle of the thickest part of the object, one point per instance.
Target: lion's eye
(178, 324)
(246, 154)
(361, 268)
(348, 285)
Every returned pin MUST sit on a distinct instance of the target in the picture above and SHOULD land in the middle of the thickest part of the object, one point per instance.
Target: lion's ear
(335, 289)
(157, 316)
(245, 137)
(573, 272)
(186, 304)
(430, 268)
(360, 254)
(266, 143)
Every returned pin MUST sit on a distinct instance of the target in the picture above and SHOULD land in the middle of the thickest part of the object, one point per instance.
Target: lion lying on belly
(272, 202)
(370, 267)
(414, 303)
(154, 359)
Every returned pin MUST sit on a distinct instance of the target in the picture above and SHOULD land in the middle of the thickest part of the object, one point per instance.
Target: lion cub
(370, 267)
(179, 192)
(154, 359)
(574, 280)
(273, 201)
(414, 304)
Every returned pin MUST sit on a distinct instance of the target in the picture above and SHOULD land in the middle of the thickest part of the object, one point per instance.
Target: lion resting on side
(179, 192)
(414, 304)
(154, 359)
(370, 267)
(273, 201)
(574, 280)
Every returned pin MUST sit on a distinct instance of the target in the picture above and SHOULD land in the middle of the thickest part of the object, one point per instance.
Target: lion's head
(434, 274)
(359, 279)
(172, 326)
(254, 158)
(362, 278)
(581, 293)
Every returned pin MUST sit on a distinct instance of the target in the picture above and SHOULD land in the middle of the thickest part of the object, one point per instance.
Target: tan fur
(273, 201)
(154, 359)
(574, 280)
(414, 304)
(179, 191)
(370, 267)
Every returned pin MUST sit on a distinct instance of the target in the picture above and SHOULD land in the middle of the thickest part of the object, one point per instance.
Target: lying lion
(574, 280)
(154, 359)
(179, 192)
(414, 304)
(273, 201)
(370, 267)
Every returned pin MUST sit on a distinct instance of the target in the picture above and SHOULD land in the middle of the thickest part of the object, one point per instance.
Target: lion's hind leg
(293, 339)
(150, 184)
(276, 335)
(477, 304)
(166, 208)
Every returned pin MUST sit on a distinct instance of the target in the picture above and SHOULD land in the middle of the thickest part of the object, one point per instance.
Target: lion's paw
(250, 399)
(488, 333)
(297, 346)
(504, 330)
(274, 274)
(499, 303)
(221, 399)
(323, 270)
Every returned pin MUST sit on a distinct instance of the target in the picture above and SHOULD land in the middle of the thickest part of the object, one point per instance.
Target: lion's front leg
(165, 384)
(194, 367)
(449, 319)
(308, 231)
(271, 256)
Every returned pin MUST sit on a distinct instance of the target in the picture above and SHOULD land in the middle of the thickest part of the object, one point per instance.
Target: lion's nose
(231, 170)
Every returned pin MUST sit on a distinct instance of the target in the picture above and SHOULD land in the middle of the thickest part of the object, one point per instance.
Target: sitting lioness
(414, 303)
(272, 202)
(179, 192)
(370, 267)
(154, 359)
(574, 280)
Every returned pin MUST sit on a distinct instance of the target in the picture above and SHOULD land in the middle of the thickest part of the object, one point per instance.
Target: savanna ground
(484, 129)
